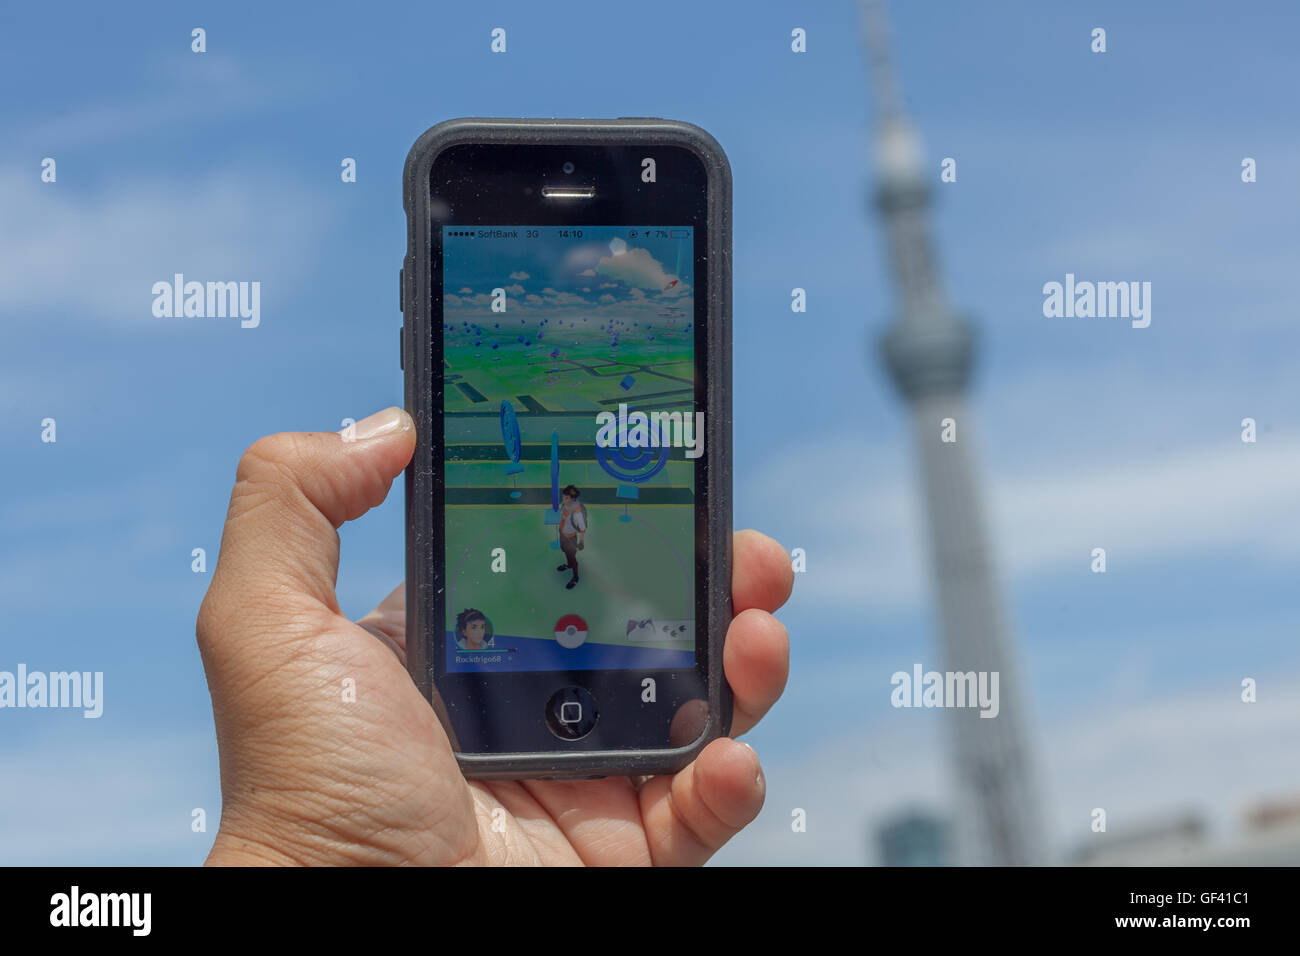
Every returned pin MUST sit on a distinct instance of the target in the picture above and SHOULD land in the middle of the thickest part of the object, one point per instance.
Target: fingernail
(377, 425)
(758, 776)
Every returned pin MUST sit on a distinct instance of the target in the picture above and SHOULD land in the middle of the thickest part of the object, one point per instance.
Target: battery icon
(679, 234)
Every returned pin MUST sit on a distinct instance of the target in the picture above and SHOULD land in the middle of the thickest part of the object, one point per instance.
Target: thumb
(292, 492)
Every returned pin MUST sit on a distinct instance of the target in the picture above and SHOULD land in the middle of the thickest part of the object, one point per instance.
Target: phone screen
(571, 438)
(571, 472)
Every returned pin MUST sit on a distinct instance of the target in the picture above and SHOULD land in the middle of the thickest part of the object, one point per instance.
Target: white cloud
(168, 88)
(636, 268)
(520, 276)
(229, 225)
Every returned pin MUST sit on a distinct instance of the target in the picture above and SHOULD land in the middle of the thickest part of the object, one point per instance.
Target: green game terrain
(629, 569)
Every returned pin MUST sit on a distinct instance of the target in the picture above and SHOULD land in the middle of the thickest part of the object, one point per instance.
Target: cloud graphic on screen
(638, 269)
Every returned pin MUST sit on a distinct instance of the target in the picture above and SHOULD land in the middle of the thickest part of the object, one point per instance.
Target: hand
(307, 777)
(581, 544)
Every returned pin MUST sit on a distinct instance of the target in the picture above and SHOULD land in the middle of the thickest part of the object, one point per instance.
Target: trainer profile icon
(473, 630)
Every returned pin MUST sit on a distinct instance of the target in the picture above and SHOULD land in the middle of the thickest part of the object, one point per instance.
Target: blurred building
(1172, 840)
(1270, 836)
(915, 838)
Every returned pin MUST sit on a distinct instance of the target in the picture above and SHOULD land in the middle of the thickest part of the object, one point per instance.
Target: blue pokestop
(555, 470)
(510, 437)
(510, 431)
(552, 516)
(627, 382)
(631, 466)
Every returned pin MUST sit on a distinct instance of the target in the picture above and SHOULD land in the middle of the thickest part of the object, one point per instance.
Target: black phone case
(421, 518)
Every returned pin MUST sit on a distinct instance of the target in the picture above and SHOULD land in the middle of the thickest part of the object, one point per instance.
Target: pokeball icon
(570, 631)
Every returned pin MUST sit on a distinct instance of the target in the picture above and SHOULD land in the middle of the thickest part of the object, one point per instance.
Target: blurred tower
(928, 353)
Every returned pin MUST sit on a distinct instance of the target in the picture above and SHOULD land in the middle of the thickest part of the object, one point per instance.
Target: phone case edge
(718, 429)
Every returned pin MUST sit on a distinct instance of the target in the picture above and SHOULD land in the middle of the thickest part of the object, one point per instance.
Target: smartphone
(566, 343)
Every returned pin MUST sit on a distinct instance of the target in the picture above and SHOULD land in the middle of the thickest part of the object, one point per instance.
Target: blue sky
(1118, 166)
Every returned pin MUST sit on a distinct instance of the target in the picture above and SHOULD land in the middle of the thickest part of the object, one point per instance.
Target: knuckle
(269, 472)
(268, 458)
(208, 623)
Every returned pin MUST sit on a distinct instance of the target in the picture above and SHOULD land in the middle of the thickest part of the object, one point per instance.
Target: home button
(571, 713)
